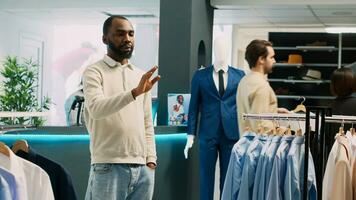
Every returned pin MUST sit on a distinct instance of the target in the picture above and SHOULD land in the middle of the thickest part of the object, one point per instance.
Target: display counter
(69, 146)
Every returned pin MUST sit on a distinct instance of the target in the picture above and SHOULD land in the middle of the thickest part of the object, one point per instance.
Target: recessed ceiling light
(340, 29)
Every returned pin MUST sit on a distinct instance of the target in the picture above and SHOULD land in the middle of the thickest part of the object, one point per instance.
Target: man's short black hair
(109, 20)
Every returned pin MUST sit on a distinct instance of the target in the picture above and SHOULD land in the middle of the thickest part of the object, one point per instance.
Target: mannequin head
(221, 48)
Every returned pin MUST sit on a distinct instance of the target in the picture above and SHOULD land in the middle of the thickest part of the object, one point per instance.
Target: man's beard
(119, 52)
(268, 70)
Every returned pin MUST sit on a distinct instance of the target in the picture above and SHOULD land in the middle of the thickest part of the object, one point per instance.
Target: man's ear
(105, 39)
(261, 60)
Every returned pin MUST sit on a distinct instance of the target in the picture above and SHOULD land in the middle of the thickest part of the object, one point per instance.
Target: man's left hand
(283, 111)
(151, 165)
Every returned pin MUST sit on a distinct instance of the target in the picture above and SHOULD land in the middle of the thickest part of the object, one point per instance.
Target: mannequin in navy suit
(213, 95)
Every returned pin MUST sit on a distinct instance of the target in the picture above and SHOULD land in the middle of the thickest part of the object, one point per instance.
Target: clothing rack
(340, 119)
(321, 115)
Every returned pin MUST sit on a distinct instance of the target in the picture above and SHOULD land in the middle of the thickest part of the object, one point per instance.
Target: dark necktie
(221, 83)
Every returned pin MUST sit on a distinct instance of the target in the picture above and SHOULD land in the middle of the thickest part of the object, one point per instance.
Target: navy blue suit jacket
(213, 108)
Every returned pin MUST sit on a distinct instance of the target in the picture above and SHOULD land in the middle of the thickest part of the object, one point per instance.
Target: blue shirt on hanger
(261, 192)
(276, 182)
(7, 185)
(5, 193)
(294, 180)
(234, 171)
(249, 168)
(260, 168)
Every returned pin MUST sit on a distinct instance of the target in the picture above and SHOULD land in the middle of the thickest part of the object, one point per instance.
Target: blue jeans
(120, 182)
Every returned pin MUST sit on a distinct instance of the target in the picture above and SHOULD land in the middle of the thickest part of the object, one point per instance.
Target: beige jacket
(337, 182)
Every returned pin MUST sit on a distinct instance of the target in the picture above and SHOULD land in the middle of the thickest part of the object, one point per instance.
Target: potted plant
(19, 89)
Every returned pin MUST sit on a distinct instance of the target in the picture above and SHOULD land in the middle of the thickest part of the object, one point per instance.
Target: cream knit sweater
(120, 127)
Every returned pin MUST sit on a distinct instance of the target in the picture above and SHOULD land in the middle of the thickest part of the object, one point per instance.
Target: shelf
(285, 48)
(317, 48)
(308, 48)
(305, 65)
(349, 48)
(299, 81)
(307, 97)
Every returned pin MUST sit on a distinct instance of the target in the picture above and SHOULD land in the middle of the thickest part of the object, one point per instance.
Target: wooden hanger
(20, 145)
(288, 131)
(341, 130)
(300, 107)
(4, 149)
(299, 132)
(260, 129)
(280, 131)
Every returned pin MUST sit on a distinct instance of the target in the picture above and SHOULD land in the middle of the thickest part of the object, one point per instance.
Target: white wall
(11, 29)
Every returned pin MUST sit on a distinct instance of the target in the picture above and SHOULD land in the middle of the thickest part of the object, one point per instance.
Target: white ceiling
(286, 13)
(249, 13)
(81, 11)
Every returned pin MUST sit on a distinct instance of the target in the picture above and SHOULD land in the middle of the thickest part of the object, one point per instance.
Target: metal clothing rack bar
(340, 119)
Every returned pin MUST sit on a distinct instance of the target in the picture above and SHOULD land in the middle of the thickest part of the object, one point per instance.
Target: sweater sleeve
(99, 105)
(149, 131)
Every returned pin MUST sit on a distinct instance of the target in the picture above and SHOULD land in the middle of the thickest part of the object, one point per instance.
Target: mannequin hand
(190, 142)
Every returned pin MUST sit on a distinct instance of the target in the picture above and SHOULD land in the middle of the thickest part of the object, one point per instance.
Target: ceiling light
(342, 13)
(340, 29)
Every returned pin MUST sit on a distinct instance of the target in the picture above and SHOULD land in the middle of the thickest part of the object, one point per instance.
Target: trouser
(209, 149)
(120, 182)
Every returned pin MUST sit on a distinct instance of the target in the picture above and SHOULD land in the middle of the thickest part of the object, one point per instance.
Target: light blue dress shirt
(294, 180)
(261, 192)
(234, 171)
(5, 193)
(7, 185)
(261, 168)
(250, 166)
(276, 182)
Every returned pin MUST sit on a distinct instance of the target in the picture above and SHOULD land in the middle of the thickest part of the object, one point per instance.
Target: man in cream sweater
(254, 94)
(119, 120)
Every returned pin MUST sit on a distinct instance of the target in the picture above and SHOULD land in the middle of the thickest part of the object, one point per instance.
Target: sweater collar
(112, 63)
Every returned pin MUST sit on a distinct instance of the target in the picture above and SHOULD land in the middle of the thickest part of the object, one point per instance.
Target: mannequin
(213, 95)
(220, 54)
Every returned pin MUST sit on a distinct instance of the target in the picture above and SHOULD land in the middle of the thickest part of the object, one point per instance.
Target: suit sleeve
(194, 105)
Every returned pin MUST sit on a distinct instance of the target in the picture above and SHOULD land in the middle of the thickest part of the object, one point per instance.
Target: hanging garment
(250, 166)
(276, 183)
(8, 181)
(294, 179)
(60, 179)
(267, 165)
(354, 179)
(260, 169)
(234, 171)
(337, 177)
(32, 182)
(7, 186)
